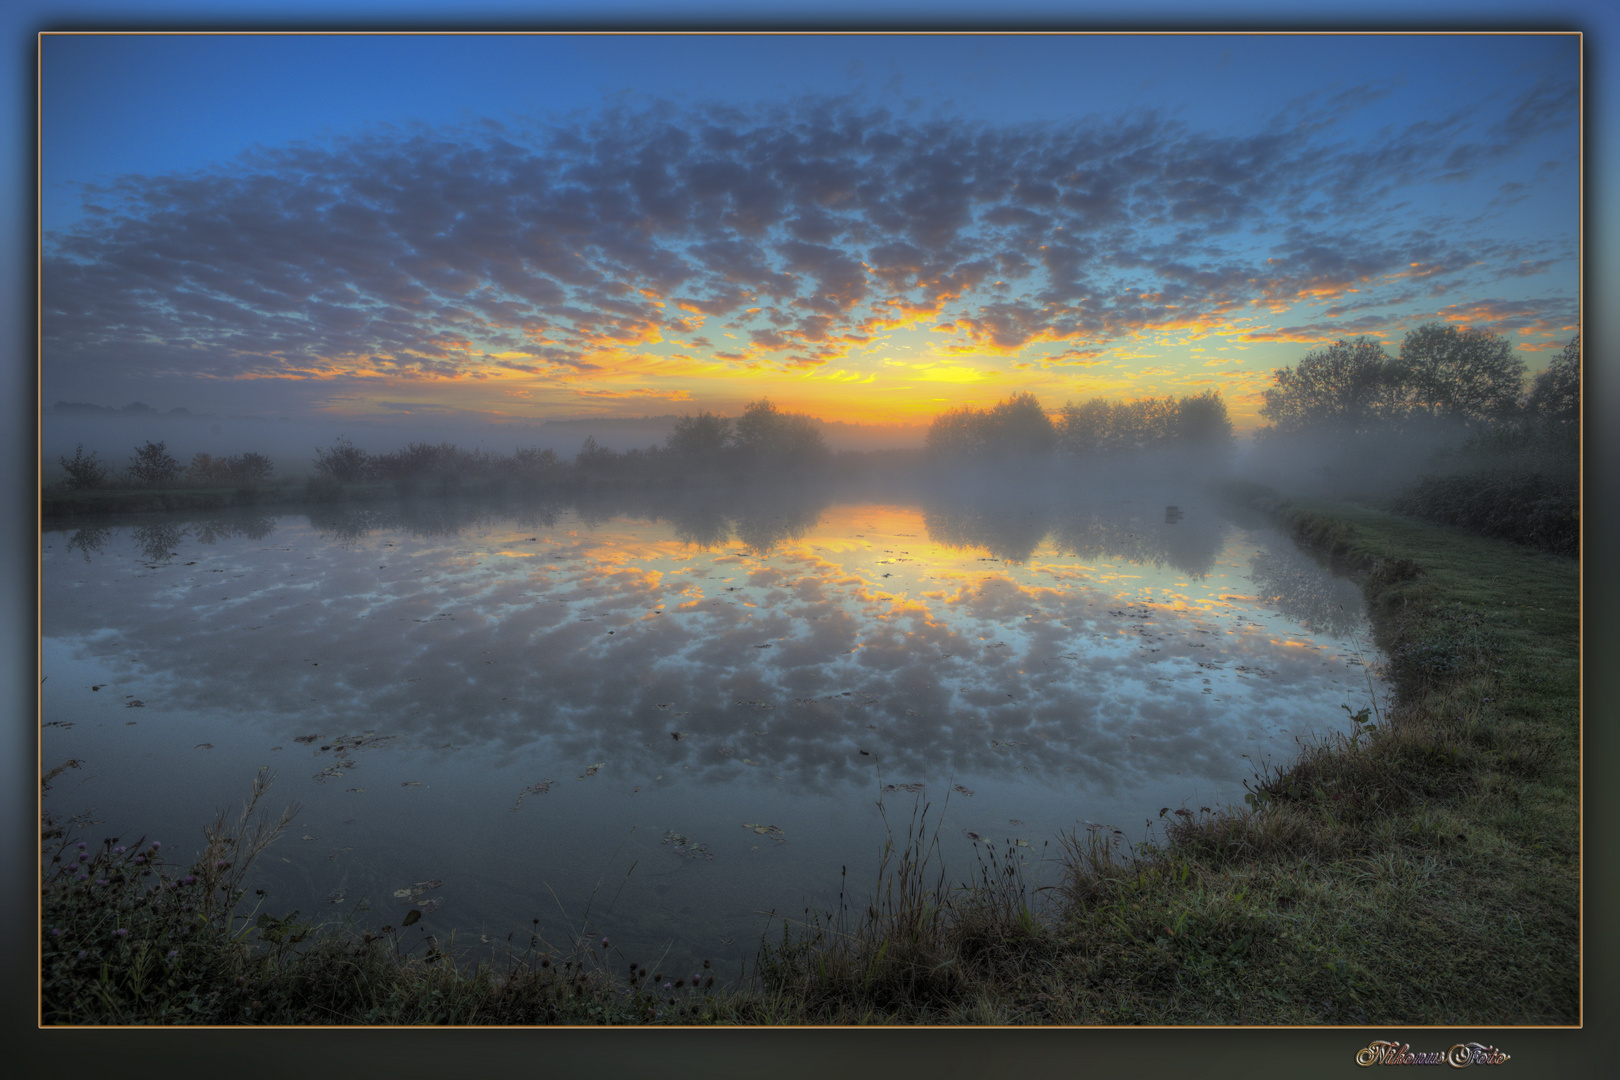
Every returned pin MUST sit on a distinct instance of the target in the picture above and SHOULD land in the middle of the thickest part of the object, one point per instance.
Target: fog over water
(677, 714)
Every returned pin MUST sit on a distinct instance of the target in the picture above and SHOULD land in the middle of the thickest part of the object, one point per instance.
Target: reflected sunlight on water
(676, 717)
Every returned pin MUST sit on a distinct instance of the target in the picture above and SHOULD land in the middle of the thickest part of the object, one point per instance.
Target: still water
(661, 723)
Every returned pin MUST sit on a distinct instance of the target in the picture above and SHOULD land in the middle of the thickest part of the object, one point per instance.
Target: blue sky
(861, 227)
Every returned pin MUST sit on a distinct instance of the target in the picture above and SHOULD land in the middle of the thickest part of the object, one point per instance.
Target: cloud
(470, 252)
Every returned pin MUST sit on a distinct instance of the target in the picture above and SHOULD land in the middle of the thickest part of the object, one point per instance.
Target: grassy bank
(1423, 870)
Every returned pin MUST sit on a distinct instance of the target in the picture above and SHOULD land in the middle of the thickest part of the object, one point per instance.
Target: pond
(662, 721)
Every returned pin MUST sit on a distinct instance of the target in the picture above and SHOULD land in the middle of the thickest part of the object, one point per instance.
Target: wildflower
(119, 850)
(668, 986)
(156, 845)
(189, 879)
(82, 877)
(101, 881)
(81, 955)
(140, 859)
(604, 943)
(82, 845)
(173, 953)
(83, 856)
(56, 931)
(120, 932)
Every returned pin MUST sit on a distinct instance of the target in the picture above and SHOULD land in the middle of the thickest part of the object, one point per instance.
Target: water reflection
(832, 641)
(1293, 583)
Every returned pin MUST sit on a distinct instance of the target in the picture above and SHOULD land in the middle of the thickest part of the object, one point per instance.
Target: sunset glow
(868, 255)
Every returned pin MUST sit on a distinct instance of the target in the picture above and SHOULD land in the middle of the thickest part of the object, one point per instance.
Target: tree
(1201, 421)
(342, 461)
(956, 432)
(1350, 386)
(1019, 426)
(1085, 429)
(1462, 374)
(767, 433)
(1555, 396)
(249, 470)
(152, 466)
(700, 435)
(85, 473)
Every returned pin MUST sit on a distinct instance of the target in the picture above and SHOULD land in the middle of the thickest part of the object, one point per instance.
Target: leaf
(533, 789)
(590, 770)
(411, 783)
(204, 746)
(410, 917)
(962, 790)
(400, 894)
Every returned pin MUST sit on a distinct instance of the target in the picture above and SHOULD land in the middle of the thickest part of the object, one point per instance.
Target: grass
(1422, 869)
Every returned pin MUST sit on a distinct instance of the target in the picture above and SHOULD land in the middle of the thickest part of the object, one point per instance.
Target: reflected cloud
(835, 641)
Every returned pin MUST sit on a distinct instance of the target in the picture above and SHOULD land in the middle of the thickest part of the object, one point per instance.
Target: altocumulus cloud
(802, 231)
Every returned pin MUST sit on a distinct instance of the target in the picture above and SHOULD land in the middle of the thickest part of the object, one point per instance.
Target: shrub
(85, 473)
(208, 471)
(342, 461)
(152, 466)
(1535, 508)
(249, 470)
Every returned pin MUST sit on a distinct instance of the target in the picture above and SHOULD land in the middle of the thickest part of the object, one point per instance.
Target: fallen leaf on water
(308, 837)
(773, 831)
(204, 746)
(340, 851)
(912, 788)
(358, 790)
(533, 789)
(590, 770)
(1022, 843)
(135, 705)
(400, 894)
(971, 835)
(428, 907)
(411, 783)
(306, 738)
(686, 847)
(336, 897)
(959, 788)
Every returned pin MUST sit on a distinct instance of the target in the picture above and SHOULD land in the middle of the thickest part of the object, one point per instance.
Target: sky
(867, 228)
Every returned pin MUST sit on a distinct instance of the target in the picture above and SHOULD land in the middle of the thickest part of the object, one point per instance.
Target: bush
(206, 470)
(85, 473)
(342, 461)
(1529, 508)
(249, 470)
(152, 466)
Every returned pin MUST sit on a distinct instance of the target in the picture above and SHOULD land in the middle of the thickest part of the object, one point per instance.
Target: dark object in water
(1172, 514)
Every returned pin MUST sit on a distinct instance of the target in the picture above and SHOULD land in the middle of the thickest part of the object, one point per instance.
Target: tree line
(1464, 377)
(152, 466)
(1019, 426)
